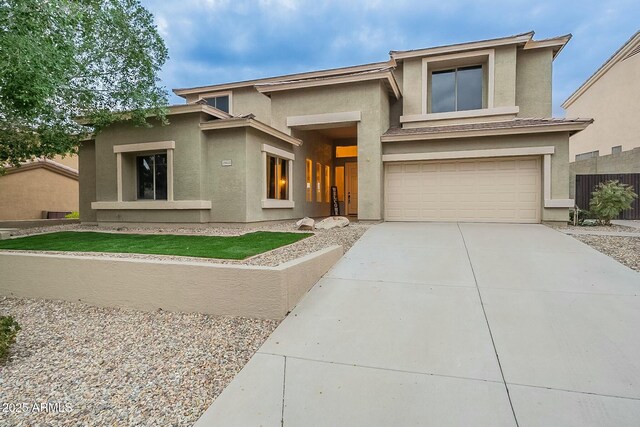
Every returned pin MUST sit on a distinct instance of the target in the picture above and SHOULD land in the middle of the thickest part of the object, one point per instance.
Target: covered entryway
(477, 190)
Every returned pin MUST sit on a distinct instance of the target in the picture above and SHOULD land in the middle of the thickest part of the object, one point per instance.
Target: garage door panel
(488, 190)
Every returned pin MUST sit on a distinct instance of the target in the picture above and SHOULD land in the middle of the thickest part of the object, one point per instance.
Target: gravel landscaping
(625, 250)
(104, 366)
(613, 228)
(321, 239)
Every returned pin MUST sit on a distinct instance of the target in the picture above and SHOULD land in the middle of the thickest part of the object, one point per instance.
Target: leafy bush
(609, 199)
(8, 330)
(72, 215)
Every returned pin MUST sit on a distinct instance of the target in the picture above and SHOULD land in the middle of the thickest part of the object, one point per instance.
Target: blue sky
(217, 41)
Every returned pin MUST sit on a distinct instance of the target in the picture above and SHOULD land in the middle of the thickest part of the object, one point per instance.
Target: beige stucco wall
(366, 97)
(612, 101)
(25, 194)
(245, 100)
(87, 180)
(149, 285)
(533, 82)
(559, 160)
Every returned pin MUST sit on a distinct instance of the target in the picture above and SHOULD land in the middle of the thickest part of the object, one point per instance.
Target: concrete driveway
(444, 324)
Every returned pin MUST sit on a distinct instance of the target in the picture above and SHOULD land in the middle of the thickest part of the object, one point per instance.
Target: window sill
(277, 204)
(152, 205)
(484, 112)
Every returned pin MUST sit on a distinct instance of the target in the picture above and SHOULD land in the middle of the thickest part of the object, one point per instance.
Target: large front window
(277, 178)
(152, 176)
(456, 89)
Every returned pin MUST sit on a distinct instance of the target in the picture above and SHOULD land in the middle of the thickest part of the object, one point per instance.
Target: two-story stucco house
(610, 97)
(450, 133)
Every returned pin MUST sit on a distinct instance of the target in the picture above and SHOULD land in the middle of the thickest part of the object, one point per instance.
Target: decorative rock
(590, 222)
(333, 222)
(305, 224)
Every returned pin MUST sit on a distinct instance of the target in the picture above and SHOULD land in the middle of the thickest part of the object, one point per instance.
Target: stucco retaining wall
(219, 289)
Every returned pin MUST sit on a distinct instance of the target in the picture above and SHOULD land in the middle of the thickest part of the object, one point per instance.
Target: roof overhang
(47, 164)
(632, 45)
(288, 77)
(384, 74)
(460, 47)
(238, 122)
(555, 43)
(572, 127)
(173, 110)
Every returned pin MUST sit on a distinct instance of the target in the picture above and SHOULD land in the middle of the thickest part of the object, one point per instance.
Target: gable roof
(383, 73)
(47, 164)
(630, 48)
(297, 76)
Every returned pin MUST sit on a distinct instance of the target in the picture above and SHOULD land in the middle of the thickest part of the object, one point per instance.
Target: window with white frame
(458, 82)
(278, 171)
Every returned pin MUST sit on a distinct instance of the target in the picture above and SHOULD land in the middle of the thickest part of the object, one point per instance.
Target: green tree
(609, 199)
(64, 59)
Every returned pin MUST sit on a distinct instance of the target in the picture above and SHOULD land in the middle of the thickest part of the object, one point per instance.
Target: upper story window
(456, 89)
(152, 176)
(219, 102)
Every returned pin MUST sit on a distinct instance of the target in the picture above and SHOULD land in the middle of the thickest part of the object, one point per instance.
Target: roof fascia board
(49, 165)
(632, 43)
(557, 43)
(475, 133)
(521, 38)
(308, 75)
(249, 122)
(387, 75)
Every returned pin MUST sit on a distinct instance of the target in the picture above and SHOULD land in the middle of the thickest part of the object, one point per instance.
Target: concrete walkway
(626, 223)
(433, 324)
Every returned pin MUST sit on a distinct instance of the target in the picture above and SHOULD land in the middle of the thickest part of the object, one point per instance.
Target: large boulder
(305, 224)
(333, 222)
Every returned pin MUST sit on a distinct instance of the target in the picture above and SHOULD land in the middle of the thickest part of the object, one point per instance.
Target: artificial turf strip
(224, 247)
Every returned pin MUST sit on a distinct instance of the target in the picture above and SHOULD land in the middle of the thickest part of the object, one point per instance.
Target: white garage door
(482, 190)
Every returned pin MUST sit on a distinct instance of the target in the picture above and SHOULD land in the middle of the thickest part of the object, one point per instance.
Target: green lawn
(225, 247)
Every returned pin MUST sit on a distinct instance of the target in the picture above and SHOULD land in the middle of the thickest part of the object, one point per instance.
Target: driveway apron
(445, 324)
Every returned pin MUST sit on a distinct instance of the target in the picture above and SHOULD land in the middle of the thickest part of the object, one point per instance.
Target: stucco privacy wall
(559, 160)
(613, 102)
(624, 162)
(218, 289)
(25, 194)
(366, 97)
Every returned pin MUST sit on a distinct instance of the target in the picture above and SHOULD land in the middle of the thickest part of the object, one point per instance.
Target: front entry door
(352, 188)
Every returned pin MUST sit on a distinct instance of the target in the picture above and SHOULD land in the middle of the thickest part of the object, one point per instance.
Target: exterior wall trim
(469, 154)
(144, 146)
(278, 152)
(250, 122)
(278, 204)
(569, 127)
(548, 201)
(152, 205)
(485, 112)
(346, 117)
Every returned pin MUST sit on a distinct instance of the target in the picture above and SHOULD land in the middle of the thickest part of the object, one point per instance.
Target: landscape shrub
(609, 199)
(72, 215)
(8, 330)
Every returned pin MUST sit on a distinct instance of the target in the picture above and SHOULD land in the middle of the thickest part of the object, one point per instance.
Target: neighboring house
(611, 97)
(40, 186)
(450, 133)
